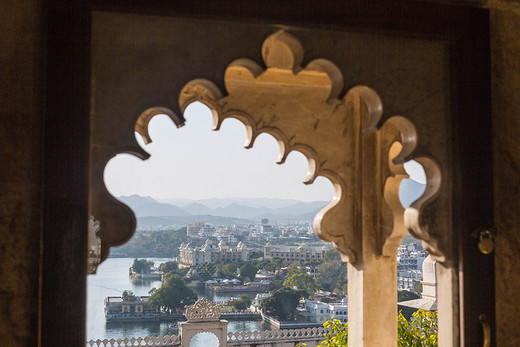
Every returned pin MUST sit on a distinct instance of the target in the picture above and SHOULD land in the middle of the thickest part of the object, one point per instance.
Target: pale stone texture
(21, 67)
(505, 51)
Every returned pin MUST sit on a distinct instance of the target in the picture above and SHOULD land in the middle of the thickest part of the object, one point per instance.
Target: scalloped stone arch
(345, 140)
(256, 97)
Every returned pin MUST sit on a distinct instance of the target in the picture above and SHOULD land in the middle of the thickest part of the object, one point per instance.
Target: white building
(191, 255)
(408, 279)
(428, 301)
(199, 229)
(290, 254)
(319, 312)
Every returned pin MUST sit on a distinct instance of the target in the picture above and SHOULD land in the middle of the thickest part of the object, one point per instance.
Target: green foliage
(243, 303)
(301, 281)
(404, 295)
(331, 273)
(128, 295)
(157, 243)
(142, 266)
(294, 269)
(268, 265)
(282, 303)
(255, 254)
(277, 281)
(332, 255)
(169, 266)
(344, 289)
(337, 335)
(206, 271)
(172, 295)
(418, 288)
(249, 271)
(172, 267)
(228, 270)
(420, 332)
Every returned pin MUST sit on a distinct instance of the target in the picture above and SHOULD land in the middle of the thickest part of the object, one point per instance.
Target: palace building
(290, 254)
(191, 255)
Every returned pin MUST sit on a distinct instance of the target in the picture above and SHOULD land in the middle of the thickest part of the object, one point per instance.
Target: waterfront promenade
(204, 317)
(174, 317)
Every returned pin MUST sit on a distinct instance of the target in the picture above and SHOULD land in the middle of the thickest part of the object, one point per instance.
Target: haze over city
(196, 163)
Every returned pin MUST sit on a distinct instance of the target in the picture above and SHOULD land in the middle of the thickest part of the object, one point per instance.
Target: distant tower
(265, 221)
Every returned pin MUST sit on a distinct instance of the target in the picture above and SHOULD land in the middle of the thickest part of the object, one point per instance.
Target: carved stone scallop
(202, 310)
(344, 140)
(343, 137)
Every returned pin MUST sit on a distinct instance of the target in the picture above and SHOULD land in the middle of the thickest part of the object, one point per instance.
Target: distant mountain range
(230, 211)
(221, 211)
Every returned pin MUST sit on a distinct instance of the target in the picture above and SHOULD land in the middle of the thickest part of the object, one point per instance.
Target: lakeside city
(243, 266)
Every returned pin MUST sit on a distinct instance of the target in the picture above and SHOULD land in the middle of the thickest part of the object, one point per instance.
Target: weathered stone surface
(21, 67)
(505, 41)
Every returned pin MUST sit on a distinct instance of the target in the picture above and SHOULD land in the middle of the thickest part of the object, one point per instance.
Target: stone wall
(505, 56)
(21, 71)
(21, 68)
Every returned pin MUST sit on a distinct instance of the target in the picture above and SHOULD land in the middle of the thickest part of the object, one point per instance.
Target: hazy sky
(195, 162)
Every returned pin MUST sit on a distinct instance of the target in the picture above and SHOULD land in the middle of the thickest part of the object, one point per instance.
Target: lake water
(112, 279)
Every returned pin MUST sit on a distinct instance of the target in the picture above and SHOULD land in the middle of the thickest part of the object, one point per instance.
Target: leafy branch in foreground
(337, 335)
(421, 331)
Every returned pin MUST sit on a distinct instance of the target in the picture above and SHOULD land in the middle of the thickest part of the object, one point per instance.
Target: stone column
(372, 296)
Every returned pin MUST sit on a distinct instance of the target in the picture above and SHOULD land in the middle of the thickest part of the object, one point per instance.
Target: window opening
(204, 339)
(374, 149)
(221, 163)
(416, 271)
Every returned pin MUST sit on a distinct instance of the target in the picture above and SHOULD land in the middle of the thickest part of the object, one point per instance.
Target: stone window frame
(456, 31)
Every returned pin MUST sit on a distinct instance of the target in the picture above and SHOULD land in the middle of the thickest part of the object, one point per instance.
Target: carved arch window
(345, 135)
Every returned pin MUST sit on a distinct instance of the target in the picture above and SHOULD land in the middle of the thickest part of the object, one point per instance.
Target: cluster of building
(118, 309)
(251, 232)
(313, 311)
(191, 255)
(291, 254)
(410, 258)
(319, 312)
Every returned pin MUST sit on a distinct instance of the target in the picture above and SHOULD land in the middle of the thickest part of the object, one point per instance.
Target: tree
(420, 332)
(142, 266)
(255, 255)
(243, 303)
(248, 270)
(301, 281)
(277, 281)
(169, 266)
(282, 303)
(331, 272)
(128, 295)
(337, 335)
(418, 288)
(228, 270)
(157, 243)
(344, 289)
(403, 295)
(295, 268)
(206, 271)
(173, 294)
